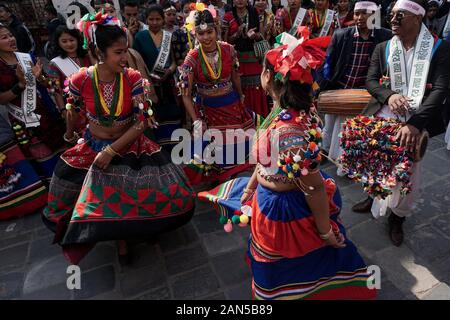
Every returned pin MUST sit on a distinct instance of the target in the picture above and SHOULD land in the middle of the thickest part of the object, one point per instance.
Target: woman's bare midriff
(108, 133)
(275, 186)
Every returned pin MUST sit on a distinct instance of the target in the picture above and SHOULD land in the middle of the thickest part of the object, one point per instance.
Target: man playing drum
(347, 64)
(408, 79)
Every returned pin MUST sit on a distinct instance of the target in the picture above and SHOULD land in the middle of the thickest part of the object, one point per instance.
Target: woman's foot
(124, 254)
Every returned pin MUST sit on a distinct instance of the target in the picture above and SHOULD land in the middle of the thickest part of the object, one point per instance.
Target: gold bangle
(327, 235)
(74, 138)
(249, 190)
(109, 150)
(139, 126)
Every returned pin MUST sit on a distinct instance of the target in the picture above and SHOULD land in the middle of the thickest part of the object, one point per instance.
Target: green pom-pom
(223, 220)
(236, 219)
(279, 76)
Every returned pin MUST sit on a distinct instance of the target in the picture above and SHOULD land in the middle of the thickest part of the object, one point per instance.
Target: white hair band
(366, 5)
(410, 6)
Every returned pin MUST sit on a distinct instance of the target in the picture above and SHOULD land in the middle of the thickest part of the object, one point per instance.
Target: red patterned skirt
(139, 195)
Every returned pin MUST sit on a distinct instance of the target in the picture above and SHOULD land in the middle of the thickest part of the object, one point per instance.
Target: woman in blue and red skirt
(242, 29)
(115, 183)
(209, 74)
(30, 131)
(297, 247)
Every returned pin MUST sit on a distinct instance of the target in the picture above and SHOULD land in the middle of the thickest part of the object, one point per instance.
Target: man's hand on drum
(399, 104)
(407, 136)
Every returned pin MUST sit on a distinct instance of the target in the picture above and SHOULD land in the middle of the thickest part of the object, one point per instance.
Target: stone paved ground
(201, 261)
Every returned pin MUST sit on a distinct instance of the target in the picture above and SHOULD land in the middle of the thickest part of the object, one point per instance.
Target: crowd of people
(90, 137)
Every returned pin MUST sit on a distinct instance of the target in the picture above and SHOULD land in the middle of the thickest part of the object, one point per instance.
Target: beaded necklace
(105, 114)
(207, 69)
(320, 23)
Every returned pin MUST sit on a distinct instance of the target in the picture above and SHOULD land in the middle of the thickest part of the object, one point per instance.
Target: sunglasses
(399, 16)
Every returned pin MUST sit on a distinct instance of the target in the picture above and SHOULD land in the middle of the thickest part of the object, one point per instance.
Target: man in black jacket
(25, 42)
(347, 64)
(405, 89)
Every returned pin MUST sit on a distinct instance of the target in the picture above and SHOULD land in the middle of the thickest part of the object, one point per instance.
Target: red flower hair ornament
(294, 58)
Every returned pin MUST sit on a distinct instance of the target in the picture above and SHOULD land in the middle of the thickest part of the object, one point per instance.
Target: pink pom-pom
(228, 227)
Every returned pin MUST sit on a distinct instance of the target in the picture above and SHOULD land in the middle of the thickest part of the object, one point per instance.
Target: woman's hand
(37, 68)
(102, 160)
(167, 74)
(252, 33)
(21, 76)
(242, 96)
(198, 128)
(247, 195)
(336, 240)
(152, 122)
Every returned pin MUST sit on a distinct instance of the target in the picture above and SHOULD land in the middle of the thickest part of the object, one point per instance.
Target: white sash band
(327, 24)
(414, 87)
(446, 30)
(164, 52)
(66, 65)
(25, 113)
(298, 21)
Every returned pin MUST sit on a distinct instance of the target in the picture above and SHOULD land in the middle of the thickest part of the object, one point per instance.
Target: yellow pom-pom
(290, 175)
(295, 166)
(244, 219)
(200, 6)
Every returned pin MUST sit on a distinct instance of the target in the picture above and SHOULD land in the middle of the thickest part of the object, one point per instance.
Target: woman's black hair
(274, 8)
(106, 36)
(433, 3)
(422, 3)
(56, 48)
(51, 9)
(293, 94)
(204, 16)
(185, 2)
(155, 8)
(5, 7)
(253, 18)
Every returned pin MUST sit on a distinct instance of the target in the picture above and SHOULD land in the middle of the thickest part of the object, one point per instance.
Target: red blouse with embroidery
(229, 60)
(81, 88)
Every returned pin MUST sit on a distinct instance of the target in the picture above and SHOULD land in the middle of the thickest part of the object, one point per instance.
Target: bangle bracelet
(326, 236)
(109, 150)
(73, 139)
(249, 190)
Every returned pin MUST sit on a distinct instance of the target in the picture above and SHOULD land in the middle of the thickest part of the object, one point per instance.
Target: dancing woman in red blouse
(114, 183)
